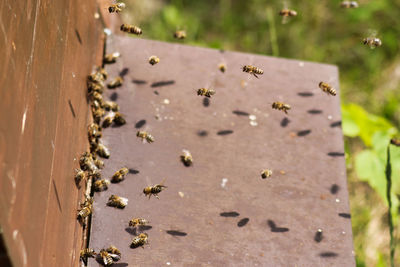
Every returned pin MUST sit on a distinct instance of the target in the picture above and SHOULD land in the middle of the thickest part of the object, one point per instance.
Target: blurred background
(321, 32)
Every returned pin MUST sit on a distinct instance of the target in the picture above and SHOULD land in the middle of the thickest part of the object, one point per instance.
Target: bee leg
(255, 75)
(285, 111)
(156, 196)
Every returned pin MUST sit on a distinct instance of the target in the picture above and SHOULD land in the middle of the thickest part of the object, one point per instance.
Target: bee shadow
(328, 254)
(276, 229)
(314, 111)
(334, 189)
(345, 215)
(114, 96)
(303, 133)
(243, 222)
(162, 83)
(318, 236)
(140, 124)
(78, 36)
(124, 72)
(202, 133)
(336, 124)
(139, 229)
(241, 113)
(121, 264)
(335, 154)
(206, 102)
(133, 171)
(176, 233)
(305, 94)
(225, 132)
(285, 122)
(138, 82)
(71, 108)
(229, 214)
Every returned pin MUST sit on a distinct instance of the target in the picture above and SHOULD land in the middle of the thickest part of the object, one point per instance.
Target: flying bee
(108, 258)
(117, 82)
(101, 185)
(117, 201)
(222, 67)
(186, 157)
(111, 58)
(327, 88)
(205, 92)
(103, 151)
(153, 60)
(180, 34)
(154, 190)
(116, 8)
(252, 70)
(372, 42)
(131, 29)
(281, 106)
(87, 252)
(266, 173)
(145, 136)
(79, 176)
(119, 119)
(287, 13)
(108, 120)
(138, 221)
(395, 141)
(349, 4)
(119, 175)
(139, 240)
(85, 209)
(110, 105)
(99, 163)
(113, 250)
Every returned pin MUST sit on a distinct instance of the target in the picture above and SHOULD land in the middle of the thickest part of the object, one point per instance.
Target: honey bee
(139, 240)
(154, 190)
(87, 252)
(97, 115)
(99, 163)
(266, 173)
(119, 175)
(102, 151)
(113, 250)
(252, 70)
(86, 162)
(205, 92)
(186, 157)
(108, 258)
(94, 130)
(287, 13)
(116, 8)
(281, 106)
(95, 174)
(153, 60)
(97, 77)
(349, 4)
(96, 96)
(110, 106)
(222, 67)
(117, 82)
(327, 88)
(180, 34)
(101, 185)
(108, 120)
(95, 87)
(137, 221)
(117, 201)
(111, 58)
(372, 42)
(131, 29)
(395, 141)
(79, 176)
(119, 119)
(103, 72)
(85, 209)
(145, 136)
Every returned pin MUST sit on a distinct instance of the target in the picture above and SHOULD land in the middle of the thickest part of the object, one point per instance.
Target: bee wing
(115, 257)
(162, 182)
(285, 20)
(372, 32)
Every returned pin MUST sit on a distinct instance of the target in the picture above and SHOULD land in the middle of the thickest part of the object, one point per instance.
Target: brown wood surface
(47, 48)
(248, 221)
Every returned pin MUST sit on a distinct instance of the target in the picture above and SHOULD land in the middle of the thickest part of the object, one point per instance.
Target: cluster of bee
(106, 256)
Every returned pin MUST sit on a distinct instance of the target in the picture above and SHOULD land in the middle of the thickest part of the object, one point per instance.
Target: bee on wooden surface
(153, 60)
(349, 4)
(252, 70)
(117, 82)
(85, 209)
(79, 176)
(117, 201)
(108, 258)
(113, 250)
(327, 88)
(138, 221)
(154, 190)
(119, 175)
(110, 106)
(94, 130)
(101, 185)
(96, 96)
(395, 141)
(103, 151)
(95, 87)
(103, 72)
(99, 163)
(116, 7)
(266, 173)
(281, 106)
(139, 240)
(97, 115)
(186, 157)
(97, 77)
(131, 29)
(145, 136)
(372, 42)
(86, 162)
(86, 253)
(108, 119)
(222, 67)
(180, 34)
(119, 119)
(96, 174)
(205, 92)
(111, 58)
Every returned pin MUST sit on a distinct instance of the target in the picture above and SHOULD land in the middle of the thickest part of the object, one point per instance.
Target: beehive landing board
(220, 212)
